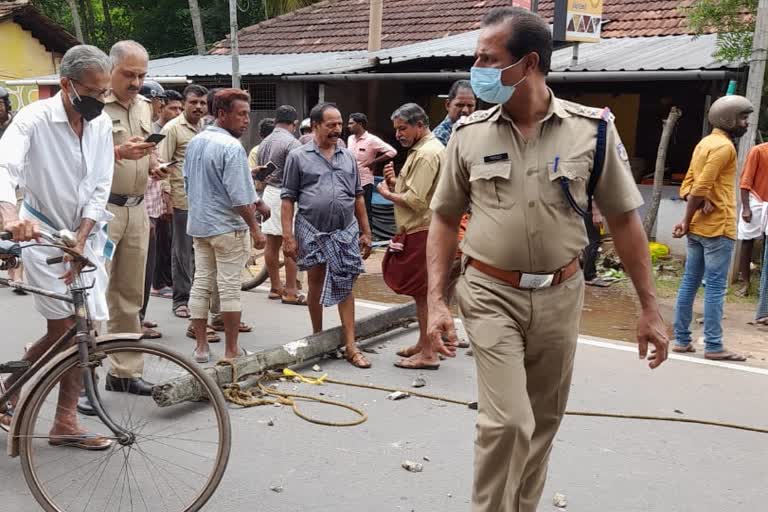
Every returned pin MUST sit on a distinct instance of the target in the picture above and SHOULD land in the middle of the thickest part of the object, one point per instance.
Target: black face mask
(88, 107)
(738, 132)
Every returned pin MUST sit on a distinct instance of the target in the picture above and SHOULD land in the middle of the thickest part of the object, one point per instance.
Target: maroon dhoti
(405, 264)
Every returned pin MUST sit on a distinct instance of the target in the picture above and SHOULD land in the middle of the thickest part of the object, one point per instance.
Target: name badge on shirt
(501, 157)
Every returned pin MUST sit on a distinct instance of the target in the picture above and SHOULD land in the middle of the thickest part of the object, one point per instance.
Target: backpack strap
(599, 162)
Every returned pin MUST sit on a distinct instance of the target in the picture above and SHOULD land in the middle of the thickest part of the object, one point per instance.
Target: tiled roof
(52, 35)
(342, 25)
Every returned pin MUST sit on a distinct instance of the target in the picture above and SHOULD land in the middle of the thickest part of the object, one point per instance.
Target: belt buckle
(132, 201)
(534, 281)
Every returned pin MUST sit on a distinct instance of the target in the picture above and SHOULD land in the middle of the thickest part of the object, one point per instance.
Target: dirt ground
(612, 312)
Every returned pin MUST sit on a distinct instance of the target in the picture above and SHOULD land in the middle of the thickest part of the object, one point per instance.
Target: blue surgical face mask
(486, 82)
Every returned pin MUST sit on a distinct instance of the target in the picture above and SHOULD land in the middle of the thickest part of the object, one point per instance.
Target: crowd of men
(175, 216)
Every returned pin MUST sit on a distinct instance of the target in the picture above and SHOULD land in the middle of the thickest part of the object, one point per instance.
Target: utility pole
(754, 94)
(234, 47)
(76, 20)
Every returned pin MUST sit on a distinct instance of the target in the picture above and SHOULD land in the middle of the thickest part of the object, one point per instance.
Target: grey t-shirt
(275, 149)
(324, 190)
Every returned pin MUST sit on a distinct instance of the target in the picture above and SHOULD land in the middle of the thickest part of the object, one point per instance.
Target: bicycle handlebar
(63, 240)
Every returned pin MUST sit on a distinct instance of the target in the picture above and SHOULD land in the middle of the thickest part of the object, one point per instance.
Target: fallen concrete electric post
(184, 389)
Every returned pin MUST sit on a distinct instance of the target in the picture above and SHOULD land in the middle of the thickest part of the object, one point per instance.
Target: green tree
(732, 20)
(274, 8)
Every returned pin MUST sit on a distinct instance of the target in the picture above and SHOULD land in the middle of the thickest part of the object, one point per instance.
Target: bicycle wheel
(175, 463)
(255, 271)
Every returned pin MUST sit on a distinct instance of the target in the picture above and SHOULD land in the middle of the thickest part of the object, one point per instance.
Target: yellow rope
(247, 399)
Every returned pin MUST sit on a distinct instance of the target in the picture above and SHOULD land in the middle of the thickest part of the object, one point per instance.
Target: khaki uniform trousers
(129, 230)
(524, 343)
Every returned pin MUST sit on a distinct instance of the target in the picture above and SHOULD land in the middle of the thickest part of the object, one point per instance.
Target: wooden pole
(658, 177)
(197, 26)
(754, 94)
(76, 20)
(234, 47)
(183, 389)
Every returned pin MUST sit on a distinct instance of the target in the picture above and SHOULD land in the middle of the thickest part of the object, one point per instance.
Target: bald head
(130, 61)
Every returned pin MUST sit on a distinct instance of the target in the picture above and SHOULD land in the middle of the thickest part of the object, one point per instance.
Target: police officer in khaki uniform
(521, 292)
(129, 230)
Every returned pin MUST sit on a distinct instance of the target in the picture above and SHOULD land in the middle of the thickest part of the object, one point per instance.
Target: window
(263, 96)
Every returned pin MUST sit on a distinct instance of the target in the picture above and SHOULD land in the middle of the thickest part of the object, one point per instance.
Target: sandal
(275, 294)
(358, 360)
(725, 355)
(149, 324)
(296, 300)
(88, 441)
(182, 312)
(407, 352)
(210, 333)
(150, 334)
(683, 349)
(407, 364)
(218, 326)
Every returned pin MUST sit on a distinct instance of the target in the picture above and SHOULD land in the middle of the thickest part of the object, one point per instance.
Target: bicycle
(169, 459)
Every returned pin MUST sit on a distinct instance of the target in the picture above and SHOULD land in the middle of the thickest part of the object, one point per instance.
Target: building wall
(23, 57)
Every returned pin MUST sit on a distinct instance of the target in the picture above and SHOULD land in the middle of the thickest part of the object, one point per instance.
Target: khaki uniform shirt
(178, 133)
(130, 177)
(520, 218)
(416, 183)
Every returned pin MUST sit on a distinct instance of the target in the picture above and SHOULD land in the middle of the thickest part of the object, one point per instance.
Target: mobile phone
(168, 164)
(155, 138)
(271, 167)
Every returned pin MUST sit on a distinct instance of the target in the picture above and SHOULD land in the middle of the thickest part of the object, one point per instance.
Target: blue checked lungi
(339, 251)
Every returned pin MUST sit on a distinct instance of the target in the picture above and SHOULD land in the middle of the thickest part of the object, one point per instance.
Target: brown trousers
(129, 230)
(524, 343)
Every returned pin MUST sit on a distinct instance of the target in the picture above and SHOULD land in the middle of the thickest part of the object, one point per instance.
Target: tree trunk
(76, 20)
(658, 177)
(197, 26)
(182, 389)
(108, 28)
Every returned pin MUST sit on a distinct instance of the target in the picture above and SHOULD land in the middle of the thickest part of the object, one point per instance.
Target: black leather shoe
(136, 386)
(84, 405)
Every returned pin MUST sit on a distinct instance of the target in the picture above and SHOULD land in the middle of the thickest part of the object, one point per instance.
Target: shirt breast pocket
(576, 173)
(487, 182)
(119, 135)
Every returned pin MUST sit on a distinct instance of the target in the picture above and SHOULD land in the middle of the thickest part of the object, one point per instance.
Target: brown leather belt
(526, 281)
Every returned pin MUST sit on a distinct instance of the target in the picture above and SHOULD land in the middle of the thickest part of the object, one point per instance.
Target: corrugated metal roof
(617, 54)
(260, 65)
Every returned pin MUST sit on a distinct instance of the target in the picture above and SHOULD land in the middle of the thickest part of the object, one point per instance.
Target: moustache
(334, 135)
(132, 88)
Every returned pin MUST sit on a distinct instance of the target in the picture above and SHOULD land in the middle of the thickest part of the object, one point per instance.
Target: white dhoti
(756, 227)
(38, 273)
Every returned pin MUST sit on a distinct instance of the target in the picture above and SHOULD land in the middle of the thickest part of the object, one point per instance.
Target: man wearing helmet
(5, 110)
(710, 224)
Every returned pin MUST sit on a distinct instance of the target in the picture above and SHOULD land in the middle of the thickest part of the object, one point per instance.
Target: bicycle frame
(87, 352)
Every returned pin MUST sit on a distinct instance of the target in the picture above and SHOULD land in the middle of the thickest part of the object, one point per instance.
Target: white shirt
(61, 176)
(64, 179)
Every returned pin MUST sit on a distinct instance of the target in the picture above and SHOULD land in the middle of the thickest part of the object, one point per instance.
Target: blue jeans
(762, 303)
(708, 258)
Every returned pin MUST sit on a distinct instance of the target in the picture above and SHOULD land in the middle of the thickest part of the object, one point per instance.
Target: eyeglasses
(94, 93)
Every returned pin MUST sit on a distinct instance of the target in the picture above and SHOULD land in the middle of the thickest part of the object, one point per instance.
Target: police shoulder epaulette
(585, 111)
(476, 117)
(142, 97)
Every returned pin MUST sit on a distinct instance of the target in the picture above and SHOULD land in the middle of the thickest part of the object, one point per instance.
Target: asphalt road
(601, 465)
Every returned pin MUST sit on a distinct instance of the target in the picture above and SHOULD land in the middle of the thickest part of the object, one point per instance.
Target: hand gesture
(441, 329)
(135, 149)
(680, 230)
(746, 214)
(263, 210)
(389, 175)
(290, 248)
(23, 230)
(365, 245)
(651, 331)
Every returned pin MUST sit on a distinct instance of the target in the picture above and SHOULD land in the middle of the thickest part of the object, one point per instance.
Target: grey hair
(121, 49)
(83, 58)
(411, 113)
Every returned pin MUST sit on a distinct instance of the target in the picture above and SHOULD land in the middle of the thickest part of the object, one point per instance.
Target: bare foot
(409, 351)
(419, 362)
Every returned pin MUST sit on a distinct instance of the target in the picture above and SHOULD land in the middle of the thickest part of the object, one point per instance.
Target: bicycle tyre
(41, 391)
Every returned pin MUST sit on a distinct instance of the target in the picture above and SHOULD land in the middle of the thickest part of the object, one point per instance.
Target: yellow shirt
(520, 217)
(711, 174)
(416, 182)
(253, 161)
(178, 132)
